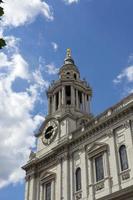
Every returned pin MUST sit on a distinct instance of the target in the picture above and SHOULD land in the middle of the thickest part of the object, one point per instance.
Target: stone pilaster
(84, 174)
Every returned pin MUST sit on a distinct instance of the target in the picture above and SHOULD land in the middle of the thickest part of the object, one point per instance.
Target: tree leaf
(2, 43)
(1, 11)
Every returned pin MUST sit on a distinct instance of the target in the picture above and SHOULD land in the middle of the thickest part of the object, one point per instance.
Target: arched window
(78, 179)
(123, 157)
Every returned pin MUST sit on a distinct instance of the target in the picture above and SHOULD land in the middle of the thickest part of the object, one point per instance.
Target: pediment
(96, 148)
(47, 176)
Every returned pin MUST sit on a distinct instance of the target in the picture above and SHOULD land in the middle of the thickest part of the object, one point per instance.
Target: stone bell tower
(68, 105)
(69, 94)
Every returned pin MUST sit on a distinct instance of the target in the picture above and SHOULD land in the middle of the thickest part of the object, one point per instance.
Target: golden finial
(68, 52)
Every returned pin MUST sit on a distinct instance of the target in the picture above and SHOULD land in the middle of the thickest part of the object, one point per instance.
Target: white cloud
(18, 13)
(125, 77)
(51, 69)
(17, 125)
(55, 46)
(71, 1)
(127, 74)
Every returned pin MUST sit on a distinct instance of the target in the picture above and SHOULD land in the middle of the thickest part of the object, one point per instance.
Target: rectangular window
(68, 95)
(48, 191)
(99, 168)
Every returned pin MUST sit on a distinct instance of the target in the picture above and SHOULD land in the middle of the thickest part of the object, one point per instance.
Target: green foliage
(2, 41)
(1, 11)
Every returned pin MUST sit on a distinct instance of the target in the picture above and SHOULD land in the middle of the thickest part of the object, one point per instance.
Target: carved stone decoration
(32, 155)
(110, 133)
(99, 186)
(127, 124)
(125, 176)
(78, 196)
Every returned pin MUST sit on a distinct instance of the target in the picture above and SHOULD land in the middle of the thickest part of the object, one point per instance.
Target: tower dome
(69, 69)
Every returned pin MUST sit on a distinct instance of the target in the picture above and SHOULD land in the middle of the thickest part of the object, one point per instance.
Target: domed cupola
(69, 94)
(69, 70)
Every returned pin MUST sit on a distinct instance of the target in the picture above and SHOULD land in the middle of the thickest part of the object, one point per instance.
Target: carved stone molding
(78, 195)
(127, 124)
(99, 186)
(125, 175)
(110, 133)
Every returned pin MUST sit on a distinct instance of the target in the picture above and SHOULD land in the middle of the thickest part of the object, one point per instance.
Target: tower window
(68, 95)
(75, 76)
(123, 157)
(80, 100)
(57, 100)
(48, 191)
(99, 168)
(78, 179)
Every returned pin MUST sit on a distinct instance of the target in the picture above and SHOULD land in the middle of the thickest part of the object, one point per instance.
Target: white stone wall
(64, 186)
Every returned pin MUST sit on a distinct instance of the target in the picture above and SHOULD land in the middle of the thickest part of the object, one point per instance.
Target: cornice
(79, 84)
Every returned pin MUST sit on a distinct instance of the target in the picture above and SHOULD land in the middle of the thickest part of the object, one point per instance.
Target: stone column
(77, 100)
(42, 192)
(54, 101)
(71, 178)
(89, 101)
(58, 193)
(59, 99)
(49, 106)
(65, 181)
(52, 190)
(114, 167)
(83, 102)
(32, 190)
(63, 95)
(107, 174)
(27, 183)
(91, 179)
(72, 96)
(86, 106)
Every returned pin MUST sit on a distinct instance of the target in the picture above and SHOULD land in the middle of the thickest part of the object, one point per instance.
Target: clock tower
(68, 107)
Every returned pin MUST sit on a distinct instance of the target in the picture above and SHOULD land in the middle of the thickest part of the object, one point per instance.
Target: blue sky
(99, 32)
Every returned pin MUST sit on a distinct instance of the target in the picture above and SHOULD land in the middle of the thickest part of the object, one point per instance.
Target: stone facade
(79, 156)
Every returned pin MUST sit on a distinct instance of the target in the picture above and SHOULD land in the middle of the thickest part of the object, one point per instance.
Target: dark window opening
(123, 158)
(99, 168)
(75, 76)
(48, 191)
(75, 97)
(80, 99)
(68, 73)
(50, 104)
(78, 179)
(57, 100)
(68, 95)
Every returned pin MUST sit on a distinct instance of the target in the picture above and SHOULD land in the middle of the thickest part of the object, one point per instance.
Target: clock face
(49, 132)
